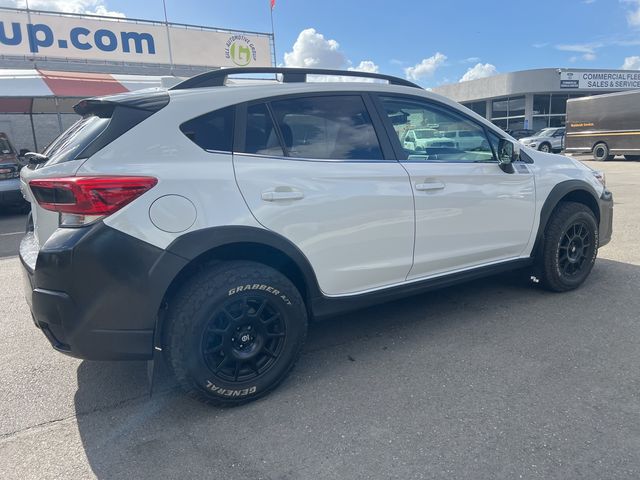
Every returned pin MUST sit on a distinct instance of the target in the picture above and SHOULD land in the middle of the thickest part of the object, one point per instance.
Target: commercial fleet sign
(78, 37)
(600, 80)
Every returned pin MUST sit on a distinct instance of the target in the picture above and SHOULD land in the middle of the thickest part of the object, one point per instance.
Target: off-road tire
(225, 300)
(565, 265)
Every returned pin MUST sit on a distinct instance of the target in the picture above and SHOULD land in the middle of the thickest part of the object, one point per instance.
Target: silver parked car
(546, 140)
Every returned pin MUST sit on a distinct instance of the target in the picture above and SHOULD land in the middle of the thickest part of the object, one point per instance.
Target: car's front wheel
(570, 247)
(545, 147)
(234, 332)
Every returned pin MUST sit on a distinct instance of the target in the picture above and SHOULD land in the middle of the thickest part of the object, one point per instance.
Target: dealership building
(50, 60)
(535, 99)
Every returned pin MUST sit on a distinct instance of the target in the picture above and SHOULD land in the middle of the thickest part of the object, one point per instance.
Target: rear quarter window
(211, 131)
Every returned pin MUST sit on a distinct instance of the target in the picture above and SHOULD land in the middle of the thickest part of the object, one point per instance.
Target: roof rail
(218, 78)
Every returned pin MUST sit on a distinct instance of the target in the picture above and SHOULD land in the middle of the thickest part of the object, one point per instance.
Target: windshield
(425, 133)
(545, 132)
(75, 138)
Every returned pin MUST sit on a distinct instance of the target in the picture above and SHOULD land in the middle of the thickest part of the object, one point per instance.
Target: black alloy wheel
(570, 247)
(234, 331)
(243, 339)
(574, 249)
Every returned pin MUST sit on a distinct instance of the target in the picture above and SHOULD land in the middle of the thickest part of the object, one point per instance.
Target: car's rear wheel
(601, 152)
(570, 247)
(545, 147)
(234, 332)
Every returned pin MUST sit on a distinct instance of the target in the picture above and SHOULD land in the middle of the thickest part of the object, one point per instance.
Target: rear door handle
(429, 186)
(275, 195)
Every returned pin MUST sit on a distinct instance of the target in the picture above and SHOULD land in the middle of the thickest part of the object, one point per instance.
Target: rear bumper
(606, 217)
(95, 292)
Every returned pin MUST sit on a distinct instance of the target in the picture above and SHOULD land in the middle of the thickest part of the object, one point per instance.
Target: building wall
(46, 125)
(527, 87)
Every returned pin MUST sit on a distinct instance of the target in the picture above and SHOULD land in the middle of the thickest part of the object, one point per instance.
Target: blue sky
(444, 39)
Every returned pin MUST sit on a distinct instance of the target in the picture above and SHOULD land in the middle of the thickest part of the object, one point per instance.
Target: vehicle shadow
(127, 434)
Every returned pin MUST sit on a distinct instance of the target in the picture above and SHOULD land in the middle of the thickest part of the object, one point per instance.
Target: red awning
(78, 84)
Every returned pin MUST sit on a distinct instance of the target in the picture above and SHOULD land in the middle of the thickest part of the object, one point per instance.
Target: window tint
(211, 131)
(327, 127)
(261, 135)
(449, 137)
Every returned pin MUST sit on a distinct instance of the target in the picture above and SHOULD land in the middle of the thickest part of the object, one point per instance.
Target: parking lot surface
(491, 379)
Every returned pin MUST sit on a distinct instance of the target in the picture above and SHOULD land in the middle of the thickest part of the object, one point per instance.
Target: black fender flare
(193, 244)
(557, 193)
(190, 246)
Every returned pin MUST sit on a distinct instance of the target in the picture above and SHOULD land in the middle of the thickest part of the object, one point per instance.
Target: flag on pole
(273, 3)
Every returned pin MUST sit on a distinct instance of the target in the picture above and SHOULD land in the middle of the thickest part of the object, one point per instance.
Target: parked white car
(210, 222)
(422, 138)
(467, 140)
(546, 140)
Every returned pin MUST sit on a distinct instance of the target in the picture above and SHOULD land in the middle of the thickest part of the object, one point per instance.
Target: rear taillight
(80, 200)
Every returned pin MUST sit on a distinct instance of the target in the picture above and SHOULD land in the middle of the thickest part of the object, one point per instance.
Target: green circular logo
(240, 53)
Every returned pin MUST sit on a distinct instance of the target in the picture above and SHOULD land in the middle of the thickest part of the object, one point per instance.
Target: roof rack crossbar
(218, 78)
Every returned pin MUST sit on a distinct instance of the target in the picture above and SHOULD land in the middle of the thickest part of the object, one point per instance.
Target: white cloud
(579, 47)
(589, 57)
(633, 15)
(312, 50)
(366, 66)
(480, 70)
(93, 7)
(426, 68)
(631, 63)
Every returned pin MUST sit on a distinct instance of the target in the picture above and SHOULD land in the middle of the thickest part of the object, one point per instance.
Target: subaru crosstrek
(209, 222)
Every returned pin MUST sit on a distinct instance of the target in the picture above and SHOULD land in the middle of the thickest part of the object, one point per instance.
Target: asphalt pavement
(488, 380)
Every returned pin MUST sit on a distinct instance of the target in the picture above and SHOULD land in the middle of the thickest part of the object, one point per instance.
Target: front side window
(441, 135)
(327, 127)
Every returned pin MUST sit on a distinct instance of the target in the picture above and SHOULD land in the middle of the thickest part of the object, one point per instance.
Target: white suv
(209, 222)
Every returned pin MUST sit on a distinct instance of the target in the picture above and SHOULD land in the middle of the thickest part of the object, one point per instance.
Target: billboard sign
(119, 40)
(618, 80)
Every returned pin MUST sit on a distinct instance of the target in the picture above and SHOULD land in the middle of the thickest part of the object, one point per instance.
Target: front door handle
(280, 195)
(429, 186)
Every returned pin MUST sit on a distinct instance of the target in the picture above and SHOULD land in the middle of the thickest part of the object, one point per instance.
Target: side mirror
(508, 152)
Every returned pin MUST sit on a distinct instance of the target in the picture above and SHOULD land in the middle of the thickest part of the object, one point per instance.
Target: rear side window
(261, 136)
(212, 131)
(327, 127)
